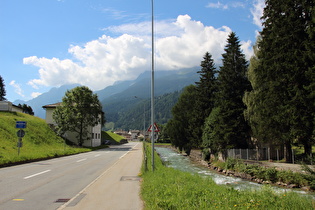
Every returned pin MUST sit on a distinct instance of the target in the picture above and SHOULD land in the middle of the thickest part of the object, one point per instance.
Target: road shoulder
(117, 188)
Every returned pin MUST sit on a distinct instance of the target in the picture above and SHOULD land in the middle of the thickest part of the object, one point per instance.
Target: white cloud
(257, 12)
(219, 5)
(17, 88)
(247, 49)
(99, 63)
(35, 94)
(163, 28)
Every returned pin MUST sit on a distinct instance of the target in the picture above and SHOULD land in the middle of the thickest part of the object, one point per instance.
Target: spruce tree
(2, 90)
(232, 84)
(207, 85)
(206, 88)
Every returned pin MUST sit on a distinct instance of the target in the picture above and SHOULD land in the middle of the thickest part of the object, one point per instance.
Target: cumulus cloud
(180, 43)
(247, 49)
(257, 12)
(17, 88)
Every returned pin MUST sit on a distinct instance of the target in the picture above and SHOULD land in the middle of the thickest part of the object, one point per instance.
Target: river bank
(196, 157)
(178, 183)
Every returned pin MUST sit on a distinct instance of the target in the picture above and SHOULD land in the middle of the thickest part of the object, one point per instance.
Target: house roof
(52, 105)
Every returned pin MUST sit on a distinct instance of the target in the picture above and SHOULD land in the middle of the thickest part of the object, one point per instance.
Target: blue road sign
(20, 124)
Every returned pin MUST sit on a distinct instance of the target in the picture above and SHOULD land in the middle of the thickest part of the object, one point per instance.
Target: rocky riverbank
(196, 156)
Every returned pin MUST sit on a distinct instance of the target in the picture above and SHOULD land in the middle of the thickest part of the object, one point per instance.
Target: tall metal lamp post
(152, 87)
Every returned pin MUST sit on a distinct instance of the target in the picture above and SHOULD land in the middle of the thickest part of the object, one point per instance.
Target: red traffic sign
(156, 128)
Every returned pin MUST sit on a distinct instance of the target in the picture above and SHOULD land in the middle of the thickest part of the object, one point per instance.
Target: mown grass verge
(39, 142)
(167, 188)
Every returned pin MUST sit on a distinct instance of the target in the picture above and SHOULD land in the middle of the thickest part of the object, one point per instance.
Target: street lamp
(152, 87)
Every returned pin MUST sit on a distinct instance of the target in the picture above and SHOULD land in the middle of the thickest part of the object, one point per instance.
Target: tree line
(269, 100)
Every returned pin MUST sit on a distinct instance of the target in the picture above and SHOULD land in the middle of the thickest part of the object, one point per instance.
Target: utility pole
(152, 87)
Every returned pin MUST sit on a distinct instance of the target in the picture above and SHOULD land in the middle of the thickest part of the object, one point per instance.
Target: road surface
(54, 183)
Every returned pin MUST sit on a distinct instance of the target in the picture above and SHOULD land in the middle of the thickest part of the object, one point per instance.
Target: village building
(7, 106)
(124, 134)
(95, 132)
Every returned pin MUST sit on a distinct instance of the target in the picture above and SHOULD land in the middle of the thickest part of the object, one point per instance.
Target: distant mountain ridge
(111, 96)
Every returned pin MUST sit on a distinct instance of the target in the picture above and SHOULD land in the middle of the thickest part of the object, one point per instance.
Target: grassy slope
(39, 141)
(108, 135)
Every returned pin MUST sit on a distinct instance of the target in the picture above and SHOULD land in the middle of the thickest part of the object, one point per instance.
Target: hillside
(39, 141)
(135, 113)
(165, 82)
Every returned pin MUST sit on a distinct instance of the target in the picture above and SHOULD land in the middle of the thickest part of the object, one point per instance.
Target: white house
(95, 132)
(7, 106)
(134, 134)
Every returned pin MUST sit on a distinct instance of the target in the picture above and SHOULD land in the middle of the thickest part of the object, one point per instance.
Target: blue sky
(49, 43)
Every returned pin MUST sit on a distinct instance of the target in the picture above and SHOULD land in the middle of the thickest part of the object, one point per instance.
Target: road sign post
(20, 133)
(20, 124)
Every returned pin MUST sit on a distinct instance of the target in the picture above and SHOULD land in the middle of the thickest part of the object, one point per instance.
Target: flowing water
(180, 162)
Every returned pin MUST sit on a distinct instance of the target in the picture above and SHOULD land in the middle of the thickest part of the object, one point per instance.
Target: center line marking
(27, 177)
(81, 160)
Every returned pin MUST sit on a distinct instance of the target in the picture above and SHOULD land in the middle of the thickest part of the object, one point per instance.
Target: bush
(230, 163)
(206, 154)
(271, 174)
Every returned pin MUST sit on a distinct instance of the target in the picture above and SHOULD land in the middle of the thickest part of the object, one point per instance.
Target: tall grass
(167, 188)
(39, 141)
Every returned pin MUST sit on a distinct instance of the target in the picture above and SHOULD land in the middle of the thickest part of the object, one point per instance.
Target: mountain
(126, 109)
(164, 82)
(54, 95)
(120, 97)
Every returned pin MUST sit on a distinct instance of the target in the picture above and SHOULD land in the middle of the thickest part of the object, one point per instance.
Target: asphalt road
(51, 183)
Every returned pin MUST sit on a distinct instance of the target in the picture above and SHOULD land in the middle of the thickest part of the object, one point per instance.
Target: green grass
(39, 142)
(167, 188)
(108, 135)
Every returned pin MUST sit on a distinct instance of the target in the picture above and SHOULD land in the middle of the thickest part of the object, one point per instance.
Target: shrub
(271, 174)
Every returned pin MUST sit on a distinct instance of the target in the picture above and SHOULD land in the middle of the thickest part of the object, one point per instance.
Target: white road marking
(27, 177)
(97, 155)
(81, 160)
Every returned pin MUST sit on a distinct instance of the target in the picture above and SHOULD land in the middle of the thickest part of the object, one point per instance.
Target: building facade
(95, 133)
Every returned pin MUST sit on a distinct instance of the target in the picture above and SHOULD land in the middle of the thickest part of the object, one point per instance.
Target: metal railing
(256, 154)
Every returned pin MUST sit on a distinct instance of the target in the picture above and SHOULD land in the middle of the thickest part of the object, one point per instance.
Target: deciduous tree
(180, 128)
(79, 110)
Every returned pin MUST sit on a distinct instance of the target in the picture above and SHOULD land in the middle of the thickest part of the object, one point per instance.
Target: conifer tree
(207, 85)
(206, 88)
(2, 90)
(232, 84)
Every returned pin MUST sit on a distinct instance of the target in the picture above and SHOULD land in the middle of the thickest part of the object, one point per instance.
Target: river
(183, 163)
